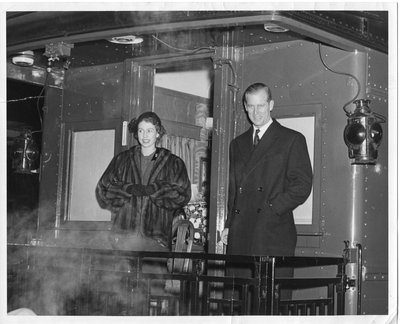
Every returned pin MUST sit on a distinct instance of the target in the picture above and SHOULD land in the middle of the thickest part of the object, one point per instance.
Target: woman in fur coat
(144, 187)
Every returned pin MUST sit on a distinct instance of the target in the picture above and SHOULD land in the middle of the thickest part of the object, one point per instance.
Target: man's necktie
(256, 138)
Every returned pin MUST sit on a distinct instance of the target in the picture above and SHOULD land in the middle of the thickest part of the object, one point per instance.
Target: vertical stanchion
(341, 287)
(271, 283)
(266, 286)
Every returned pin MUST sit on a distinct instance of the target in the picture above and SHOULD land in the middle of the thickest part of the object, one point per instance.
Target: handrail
(297, 261)
(196, 291)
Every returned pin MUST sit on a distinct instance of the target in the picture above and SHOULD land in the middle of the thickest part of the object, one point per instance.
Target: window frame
(69, 128)
(308, 110)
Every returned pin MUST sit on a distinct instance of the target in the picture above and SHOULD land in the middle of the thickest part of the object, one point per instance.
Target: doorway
(183, 95)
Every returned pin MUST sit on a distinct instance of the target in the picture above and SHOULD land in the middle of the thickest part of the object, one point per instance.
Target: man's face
(258, 108)
(147, 134)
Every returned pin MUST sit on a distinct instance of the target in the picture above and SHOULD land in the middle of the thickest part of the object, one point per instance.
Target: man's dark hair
(256, 87)
(149, 117)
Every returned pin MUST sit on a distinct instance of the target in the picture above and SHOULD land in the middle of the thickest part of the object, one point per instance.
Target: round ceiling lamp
(25, 58)
(273, 28)
(126, 40)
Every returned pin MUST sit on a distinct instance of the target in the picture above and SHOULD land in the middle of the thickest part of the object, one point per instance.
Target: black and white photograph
(227, 161)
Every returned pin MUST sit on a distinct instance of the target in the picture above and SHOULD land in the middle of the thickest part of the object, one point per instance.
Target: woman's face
(147, 134)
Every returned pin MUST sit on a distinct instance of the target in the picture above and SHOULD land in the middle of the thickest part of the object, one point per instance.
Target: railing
(80, 281)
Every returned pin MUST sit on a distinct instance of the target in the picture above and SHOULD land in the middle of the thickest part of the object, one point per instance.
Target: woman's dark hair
(149, 117)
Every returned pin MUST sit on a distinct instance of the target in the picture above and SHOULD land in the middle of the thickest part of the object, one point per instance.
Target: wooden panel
(182, 129)
(176, 106)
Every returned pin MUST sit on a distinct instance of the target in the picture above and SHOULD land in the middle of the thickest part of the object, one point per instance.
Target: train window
(88, 148)
(305, 125)
(84, 173)
(307, 120)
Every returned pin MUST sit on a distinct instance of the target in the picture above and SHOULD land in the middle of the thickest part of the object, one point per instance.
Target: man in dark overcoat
(270, 175)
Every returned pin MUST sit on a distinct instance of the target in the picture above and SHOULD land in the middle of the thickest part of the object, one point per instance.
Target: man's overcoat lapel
(255, 156)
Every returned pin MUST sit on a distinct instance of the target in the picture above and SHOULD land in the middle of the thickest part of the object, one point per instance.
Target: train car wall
(91, 100)
(353, 199)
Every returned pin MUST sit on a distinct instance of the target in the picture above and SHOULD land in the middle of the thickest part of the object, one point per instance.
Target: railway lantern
(25, 152)
(363, 133)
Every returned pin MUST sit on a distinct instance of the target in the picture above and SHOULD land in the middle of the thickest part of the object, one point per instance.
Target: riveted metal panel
(297, 76)
(377, 82)
(93, 93)
(50, 161)
(375, 231)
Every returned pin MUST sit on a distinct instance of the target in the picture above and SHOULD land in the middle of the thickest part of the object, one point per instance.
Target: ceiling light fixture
(273, 28)
(25, 58)
(125, 40)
